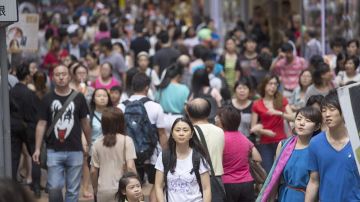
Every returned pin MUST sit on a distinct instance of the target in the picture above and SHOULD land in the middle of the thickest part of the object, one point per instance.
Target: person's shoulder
(212, 128)
(318, 139)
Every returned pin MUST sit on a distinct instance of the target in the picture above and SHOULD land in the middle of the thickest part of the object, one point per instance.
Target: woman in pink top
(106, 80)
(237, 179)
(103, 32)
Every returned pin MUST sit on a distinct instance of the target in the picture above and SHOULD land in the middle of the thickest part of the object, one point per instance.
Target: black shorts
(150, 171)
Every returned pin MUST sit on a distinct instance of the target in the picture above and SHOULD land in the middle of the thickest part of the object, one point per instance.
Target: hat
(142, 53)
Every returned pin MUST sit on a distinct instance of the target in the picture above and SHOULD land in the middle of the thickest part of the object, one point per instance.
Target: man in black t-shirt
(64, 148)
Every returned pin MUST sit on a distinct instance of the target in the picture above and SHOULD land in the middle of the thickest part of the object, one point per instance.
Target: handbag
(257, 171)
(43, 153)
(217, 188)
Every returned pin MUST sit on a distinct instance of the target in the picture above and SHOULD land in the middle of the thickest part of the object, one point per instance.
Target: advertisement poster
(349, 97)
(23, 35)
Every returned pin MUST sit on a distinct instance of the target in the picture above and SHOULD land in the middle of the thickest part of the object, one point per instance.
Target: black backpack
(140, 129)
(207, 96)
(196, 166)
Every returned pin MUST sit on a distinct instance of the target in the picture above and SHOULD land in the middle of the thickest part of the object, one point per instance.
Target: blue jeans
(64, 167)
(267, 152)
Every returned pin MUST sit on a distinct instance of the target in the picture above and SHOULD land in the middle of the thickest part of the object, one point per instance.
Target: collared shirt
(289, 72)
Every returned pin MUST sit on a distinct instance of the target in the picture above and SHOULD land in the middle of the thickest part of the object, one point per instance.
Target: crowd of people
(115, 100)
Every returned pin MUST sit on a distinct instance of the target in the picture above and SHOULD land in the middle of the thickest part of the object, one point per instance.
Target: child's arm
(159, 185)
(205, 182)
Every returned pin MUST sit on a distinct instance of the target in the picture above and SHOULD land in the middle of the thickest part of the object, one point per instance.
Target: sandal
(88, 195)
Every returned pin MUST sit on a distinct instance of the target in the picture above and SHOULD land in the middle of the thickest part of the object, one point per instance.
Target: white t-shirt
(156, 116)
(183, 186)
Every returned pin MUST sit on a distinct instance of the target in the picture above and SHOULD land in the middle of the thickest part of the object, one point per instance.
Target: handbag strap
(61, 112)
(124, 152)
(203, 142)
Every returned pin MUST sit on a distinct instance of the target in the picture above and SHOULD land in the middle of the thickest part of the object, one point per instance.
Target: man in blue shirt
(333, 172)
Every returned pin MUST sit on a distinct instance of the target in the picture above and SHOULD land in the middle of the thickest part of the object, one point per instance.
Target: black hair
(114, 33)
(229, 117)
(116, 88)
(315, 60)
(103, 27)
(246, 81)
(250, 37)
(22, 71)
(337, 41)
(341, 56)
(129, 77)
(314, 99)
(92, 101)
(171, 72)
(123, 182)
(320, 70)
(286, 47)
(12, 191)
(331, 100)
(353, 41)
(194, 143)
(355, 60)
(200, 51)
(139, 82)
(199, 80)
(314, 115)
(163, 37)
(187, 32)
(78, 65)
(106, 42)
(265, 60)
(199, 110)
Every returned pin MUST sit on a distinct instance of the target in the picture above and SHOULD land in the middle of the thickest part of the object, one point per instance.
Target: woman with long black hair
(172, 95)
(176, 171)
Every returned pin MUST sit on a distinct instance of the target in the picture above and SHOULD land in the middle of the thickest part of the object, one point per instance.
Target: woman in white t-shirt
(350, 73)
(181, 182)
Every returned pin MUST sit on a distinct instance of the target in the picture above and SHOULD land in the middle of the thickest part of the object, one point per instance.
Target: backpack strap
(196, 167)
(126, 102)
(145, 99)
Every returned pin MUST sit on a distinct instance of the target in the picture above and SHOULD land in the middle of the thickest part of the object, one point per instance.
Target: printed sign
(8, 11)
(349, 97)
(23, 35)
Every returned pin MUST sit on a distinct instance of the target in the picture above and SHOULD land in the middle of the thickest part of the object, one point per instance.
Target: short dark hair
(337, 41)
(22, 71)
(246, 81)
(332, 100)
(230, 118)
(12, 191)
(116, 88)
(320, 70)
(315, 99)
(106, 42)
(163, 37)
(199, 109)
(200, 51)
(103, 26)
(353, 41)
(315, 60)
(139, 82)
(355, 60)
(286, 47)
(265, 60)
(314, 115)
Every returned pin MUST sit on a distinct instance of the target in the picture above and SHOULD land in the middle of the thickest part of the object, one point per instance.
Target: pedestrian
(115, 147)
(24, 109)
(106, 79)
(152, 128)
(297, 99)
(130, 189)
(350, 73)
(172, 95)
(64, 147)
(292, 160)
(212, 139)
(322, 81)
(333, 172)
(267, 119)
(178, 175)
(238, 151)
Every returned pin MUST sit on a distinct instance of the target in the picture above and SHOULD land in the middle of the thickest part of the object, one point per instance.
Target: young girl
(129, 188)
(181, 183)
(292, 160)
